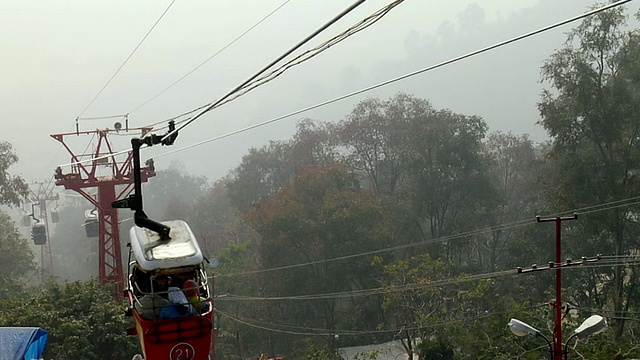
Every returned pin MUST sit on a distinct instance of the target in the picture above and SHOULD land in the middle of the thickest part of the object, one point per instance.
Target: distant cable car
(39, 234)
(26, 220)
(55, 216)
(91, 223)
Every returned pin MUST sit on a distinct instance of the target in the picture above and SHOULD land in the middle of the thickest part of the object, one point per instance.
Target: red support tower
(115, 186)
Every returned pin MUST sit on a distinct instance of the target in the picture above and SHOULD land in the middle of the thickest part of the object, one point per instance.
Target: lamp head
(520, 328)
(593, 325)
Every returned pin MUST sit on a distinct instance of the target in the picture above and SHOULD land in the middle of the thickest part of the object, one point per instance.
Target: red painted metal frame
(82, 176)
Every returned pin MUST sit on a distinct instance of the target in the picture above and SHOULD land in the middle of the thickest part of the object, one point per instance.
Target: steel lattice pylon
(41, 196)
(115, 186)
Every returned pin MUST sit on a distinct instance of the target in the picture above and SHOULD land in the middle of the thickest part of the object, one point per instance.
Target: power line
(403, 77)
(591, 208)
(373, 291)
(394, 248)
(306, 331)
(403, 287)
(127, 59)
(211, 57)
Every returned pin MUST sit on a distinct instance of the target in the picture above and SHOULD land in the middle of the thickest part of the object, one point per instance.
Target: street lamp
(595, 324)
(521, 328)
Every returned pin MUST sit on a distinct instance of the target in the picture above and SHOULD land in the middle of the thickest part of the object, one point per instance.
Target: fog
(58, 56)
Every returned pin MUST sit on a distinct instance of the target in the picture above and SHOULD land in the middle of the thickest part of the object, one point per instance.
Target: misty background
(57, 57)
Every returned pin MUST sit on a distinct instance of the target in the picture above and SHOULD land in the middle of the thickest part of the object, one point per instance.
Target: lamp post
(593, 325)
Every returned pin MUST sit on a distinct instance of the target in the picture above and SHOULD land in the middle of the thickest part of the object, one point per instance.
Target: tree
(171, 191)
(411, 307)
(12, 188)
(263, 172)
(439, 310)
(593, 117)
(83, 320)
(233, 339)
(16, 258)
(75, 256)
(216, 222)
(322, 214)
(426, 164)
(447, 184)
(373, 135)
(513, 170)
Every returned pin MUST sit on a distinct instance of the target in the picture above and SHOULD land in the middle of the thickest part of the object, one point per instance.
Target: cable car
(169, 295)
(39, 234)
(55, 216)
(168, 289)
(91, 228)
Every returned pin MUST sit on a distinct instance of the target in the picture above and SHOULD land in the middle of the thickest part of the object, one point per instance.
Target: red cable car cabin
(169, 295)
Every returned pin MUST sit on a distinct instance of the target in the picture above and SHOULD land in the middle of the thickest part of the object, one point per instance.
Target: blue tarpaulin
(22, 343)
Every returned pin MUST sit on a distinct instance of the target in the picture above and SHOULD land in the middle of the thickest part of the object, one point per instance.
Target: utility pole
(558, 351)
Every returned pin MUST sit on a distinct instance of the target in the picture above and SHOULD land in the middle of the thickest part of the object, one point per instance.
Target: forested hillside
(403, 221)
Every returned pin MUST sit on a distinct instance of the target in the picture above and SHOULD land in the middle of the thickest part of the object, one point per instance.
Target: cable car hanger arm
(134, 202)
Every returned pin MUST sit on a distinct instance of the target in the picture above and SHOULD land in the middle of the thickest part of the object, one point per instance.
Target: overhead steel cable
(307, 55)
(399, 78)
(127, 59)
(209, 59)
(206, 108)
(269, 66)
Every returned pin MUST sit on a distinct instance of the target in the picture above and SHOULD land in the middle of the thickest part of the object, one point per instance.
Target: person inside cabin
(151, 304)
(163, 283)
(178, 306)
(141, 281)
(192, 292)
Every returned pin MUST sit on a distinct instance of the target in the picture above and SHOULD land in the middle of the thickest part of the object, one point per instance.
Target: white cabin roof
(151, 253)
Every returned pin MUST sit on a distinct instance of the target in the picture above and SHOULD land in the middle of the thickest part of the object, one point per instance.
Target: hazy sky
(57, 55)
